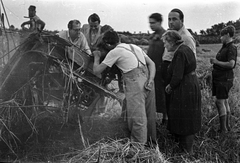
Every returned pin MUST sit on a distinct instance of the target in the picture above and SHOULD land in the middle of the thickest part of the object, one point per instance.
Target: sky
(123, 15)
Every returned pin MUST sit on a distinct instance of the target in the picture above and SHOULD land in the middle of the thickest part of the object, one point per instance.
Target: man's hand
(149, 84)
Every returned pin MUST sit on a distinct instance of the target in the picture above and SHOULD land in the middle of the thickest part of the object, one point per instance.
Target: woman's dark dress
(185, 105)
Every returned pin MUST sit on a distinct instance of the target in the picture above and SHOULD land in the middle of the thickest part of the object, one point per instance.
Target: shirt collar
(181, 30)
(69, 38)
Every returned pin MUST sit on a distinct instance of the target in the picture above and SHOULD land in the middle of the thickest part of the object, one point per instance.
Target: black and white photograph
(106, 81)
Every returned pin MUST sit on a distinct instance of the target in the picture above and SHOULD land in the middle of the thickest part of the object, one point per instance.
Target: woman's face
(168, 45)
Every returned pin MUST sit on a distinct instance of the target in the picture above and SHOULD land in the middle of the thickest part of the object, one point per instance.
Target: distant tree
(12, 27)
(230, 23)
(202, 32)
(237, 24)
(210, 32)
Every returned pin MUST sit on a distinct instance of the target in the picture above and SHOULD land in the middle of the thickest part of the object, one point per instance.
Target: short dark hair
(106, 28)
(157, 17)
(111, 37)
(70, 23)
(31, 7)
(181, 16)
(230, 29)
(94, 17)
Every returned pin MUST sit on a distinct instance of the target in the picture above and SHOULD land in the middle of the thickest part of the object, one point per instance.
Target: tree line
(208, 36)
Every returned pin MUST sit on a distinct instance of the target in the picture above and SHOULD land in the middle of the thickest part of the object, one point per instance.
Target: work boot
(223, 122)
(228, 121)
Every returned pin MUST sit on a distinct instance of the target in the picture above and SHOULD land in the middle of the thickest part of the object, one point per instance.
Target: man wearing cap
(138, 72)
(176, 22)
(77, 39)
(35, 22)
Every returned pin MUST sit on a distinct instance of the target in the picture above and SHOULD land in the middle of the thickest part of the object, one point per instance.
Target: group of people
(163, 79)
(178, 94)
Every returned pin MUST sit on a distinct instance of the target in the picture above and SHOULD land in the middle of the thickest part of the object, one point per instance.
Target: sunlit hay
(210, 144)
(235, 90)
(117, 151)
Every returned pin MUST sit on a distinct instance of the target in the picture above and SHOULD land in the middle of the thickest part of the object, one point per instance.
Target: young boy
(223, 76)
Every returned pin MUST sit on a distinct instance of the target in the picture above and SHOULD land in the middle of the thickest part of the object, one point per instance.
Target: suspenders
(133, 51)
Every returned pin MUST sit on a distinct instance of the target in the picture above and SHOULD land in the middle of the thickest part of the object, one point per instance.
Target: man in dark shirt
(155, 52)
(223, 76)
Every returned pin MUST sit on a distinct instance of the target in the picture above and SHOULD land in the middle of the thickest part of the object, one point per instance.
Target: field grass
(103, 139)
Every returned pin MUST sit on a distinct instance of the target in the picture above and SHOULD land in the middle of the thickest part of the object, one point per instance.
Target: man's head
(175, 19)
(155, 21)
(31, 11)
(106, 28)
(74, 27)
(109, 41)
(94, 21)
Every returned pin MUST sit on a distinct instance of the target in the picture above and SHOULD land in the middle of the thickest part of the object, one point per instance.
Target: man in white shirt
(138, 72)
(76, 38)
(176, 22)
